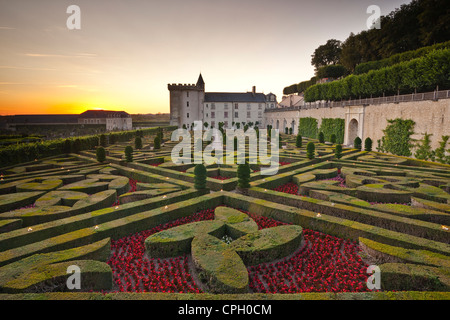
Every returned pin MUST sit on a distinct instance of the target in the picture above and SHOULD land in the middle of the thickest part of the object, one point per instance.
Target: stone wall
(370, 120)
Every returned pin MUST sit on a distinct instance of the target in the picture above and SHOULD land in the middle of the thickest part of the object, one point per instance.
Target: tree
(397, 137)
(290, 130)
(310, 150)
(129, 154)
(101, 154)
(439, 153)
(200, 177)
(338, 151)
(357, 143)
(157, 143)
(327, 54)
(368, 144)
(321, 137)
(243, 173)
(298, 142)
(138, 143)
(424, 151)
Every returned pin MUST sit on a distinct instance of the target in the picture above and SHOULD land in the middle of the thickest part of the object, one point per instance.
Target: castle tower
(186, 102)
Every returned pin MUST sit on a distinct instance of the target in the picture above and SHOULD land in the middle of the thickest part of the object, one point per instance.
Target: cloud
(27, 68)
(45, 55)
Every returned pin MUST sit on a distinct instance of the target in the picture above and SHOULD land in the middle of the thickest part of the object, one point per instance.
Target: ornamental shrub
(76, 146)
(333, 138)
(440, 151)
(424, 151)
(321, 137)
(157, 143)
(368, 144)
(101, 154)
(103, 142)
(112, 138)
(138, 143)
(338, 151)
(129, 154)
(397, 137)
(357, 143)
(310, 150)
(200, 177)
(298, 142)
(243, 173)
(67, 148)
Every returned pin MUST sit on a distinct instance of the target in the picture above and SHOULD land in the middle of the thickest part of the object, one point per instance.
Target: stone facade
(430, 116)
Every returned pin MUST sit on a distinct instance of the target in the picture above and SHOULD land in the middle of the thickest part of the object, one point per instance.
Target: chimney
(253, 90)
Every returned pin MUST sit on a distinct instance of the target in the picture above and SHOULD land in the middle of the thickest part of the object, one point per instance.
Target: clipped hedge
(420, 74)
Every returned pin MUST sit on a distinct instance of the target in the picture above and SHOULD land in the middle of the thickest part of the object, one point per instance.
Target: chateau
(189, 103)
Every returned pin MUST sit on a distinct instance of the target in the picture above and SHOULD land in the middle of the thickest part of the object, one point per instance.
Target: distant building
(114, 120)
(291, 100)
(189, 103)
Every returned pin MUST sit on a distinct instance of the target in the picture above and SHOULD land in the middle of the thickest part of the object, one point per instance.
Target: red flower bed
(325, 263)
(220, 178)
(289, 187)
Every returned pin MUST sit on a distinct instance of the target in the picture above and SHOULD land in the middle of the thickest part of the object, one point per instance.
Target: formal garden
(137, 225)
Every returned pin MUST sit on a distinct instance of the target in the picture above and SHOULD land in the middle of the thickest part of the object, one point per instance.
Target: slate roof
(235, 97)
(104, 114)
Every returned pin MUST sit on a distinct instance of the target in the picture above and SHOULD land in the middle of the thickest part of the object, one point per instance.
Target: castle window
(213, 115)
(249, 106)
(187, 103)
(225, 106)
(236, 114)
(188, 115)
(225, 114)
(236, 106)
(187, 94)
(248, 114)
(259, 106)
(213, 106)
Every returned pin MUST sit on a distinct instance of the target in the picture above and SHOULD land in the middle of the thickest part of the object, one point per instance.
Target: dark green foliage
(138, 143)
(439, 153)
(357, 143)
(338, 151)
(298, 142)
(368, 144)
(280, 142)
(243, 173)
(76, 146)
(424, 151)
(321, 137)
(421, 75)
(101, 154)
(200, 177)
(67, 148)
(331, 71)
(333, 138)
(327, 54)
(397, 137)
(286, 130)
(157, 143)
(139, 133)
(334, 126)
(102, 141)
(290, 130)
(308, 127)
(310, 150)
(129, 154)
(399, 57)
(112, 138)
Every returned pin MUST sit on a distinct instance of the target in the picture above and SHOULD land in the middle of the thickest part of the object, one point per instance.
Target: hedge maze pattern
(141, 226)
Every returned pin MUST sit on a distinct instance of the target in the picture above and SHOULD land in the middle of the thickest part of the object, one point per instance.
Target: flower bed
(325, 263)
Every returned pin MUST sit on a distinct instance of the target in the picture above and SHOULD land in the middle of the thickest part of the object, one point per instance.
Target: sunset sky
(128, 51)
